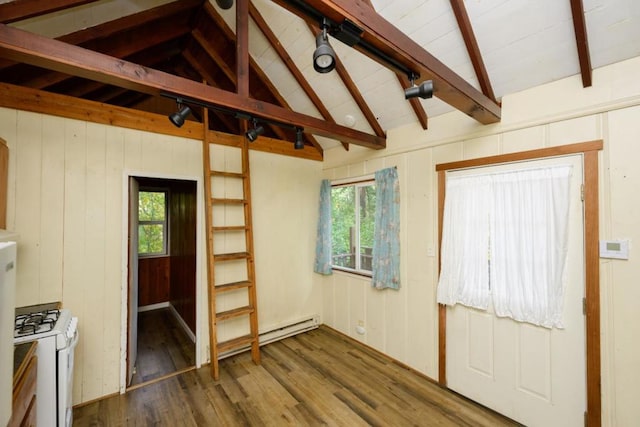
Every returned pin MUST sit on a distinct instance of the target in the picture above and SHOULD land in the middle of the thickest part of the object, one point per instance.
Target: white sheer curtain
(518, 222)
(464, 276)
(529, 238)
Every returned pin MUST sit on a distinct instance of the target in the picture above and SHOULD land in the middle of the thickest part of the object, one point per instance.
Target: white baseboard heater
(280, 332)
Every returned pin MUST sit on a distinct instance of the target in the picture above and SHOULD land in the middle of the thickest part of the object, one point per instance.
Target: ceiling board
(523, 43)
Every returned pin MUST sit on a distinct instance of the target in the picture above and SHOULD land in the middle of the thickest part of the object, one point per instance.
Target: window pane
(150, 239)
(343, 220)
(151, 206)
(367, 198)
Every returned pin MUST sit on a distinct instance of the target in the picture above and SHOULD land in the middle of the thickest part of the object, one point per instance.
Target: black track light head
(180, 116)
(224, 4)
(253, 133)
(299, 144)
(424, 90)
(324, 57)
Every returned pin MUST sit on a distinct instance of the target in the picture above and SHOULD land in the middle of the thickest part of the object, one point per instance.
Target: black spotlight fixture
(324, 58)
(299, 144)
(225, 4)
(179, 116)
(253, 133)
(424, 90)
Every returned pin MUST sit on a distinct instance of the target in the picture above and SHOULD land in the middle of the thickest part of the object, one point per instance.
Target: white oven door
(65, 382)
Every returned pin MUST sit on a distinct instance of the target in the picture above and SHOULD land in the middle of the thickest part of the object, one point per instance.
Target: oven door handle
(74, 340)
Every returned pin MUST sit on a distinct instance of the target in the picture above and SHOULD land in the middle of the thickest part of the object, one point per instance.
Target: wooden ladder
(216, 262)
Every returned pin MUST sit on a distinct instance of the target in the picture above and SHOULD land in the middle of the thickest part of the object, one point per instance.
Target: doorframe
(201, 296)
(589, 150)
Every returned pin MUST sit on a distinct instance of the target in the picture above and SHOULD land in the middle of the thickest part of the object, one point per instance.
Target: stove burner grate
(35, 323)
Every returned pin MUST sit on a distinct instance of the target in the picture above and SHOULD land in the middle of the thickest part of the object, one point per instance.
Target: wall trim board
(182, 323)
(590, 150)
(37, 101)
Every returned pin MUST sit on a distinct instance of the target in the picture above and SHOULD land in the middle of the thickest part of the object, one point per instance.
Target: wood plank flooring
(315, 378)
(163, 346)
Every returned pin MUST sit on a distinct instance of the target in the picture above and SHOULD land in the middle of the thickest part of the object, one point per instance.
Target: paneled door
(534, 375)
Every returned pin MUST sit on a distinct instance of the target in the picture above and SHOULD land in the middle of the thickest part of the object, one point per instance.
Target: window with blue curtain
(359, 228)
(386, 242)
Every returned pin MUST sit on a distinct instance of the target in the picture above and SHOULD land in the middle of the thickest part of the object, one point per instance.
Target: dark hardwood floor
(163, 346)
(315, 378)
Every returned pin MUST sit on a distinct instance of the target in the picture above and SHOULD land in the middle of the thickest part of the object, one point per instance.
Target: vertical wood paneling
(95, 236)
(75, 280)
(114, 162)
(154, 280)
(51, 216)
(28, 205)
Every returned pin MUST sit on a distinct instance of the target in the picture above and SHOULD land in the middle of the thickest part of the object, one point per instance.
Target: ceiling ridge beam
(582, 42)
(40, 51)
(380, 35)
(254, 66)
(473, 49)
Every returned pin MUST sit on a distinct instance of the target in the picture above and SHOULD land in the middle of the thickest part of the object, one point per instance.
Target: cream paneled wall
(67, 200)
(404, 323)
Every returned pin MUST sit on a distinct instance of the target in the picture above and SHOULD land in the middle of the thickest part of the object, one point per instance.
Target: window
(152, 223)
(353, 209)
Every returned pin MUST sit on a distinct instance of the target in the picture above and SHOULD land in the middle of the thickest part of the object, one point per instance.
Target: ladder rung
(235, 343)
(230, 228)
(216, 200)
(232, 286)
(231, 256)
(236, 312)
(228, 174)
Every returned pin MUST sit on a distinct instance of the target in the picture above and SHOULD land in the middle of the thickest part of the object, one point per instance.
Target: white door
(534, 375)
(132, 339)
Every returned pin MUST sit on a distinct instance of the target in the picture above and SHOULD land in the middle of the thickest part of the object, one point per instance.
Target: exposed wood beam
(22, 46)
(21, 98)
(473, 49)
(125, 24)
(264, 81)
(290, 64)
(417, 107)
(146, 38)
(242, 47)
(18, 10)
(387, 39)
(582, 42)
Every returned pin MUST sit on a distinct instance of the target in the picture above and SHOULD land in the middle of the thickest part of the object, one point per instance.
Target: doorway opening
(162, 247)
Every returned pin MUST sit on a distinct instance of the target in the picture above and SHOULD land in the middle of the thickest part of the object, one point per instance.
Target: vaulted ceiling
(142, 54)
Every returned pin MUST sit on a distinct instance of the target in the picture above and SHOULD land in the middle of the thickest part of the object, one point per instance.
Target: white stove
(56, 331)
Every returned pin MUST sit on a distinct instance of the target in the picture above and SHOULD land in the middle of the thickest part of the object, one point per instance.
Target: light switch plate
(616, 249)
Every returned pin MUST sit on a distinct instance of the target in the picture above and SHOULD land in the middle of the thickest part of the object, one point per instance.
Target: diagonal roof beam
(582, 43)
(255, 68)
(290, 64)
(355, 92)
(18, 10)
(417, 107)
(22, 46)
(381, 36)
(473, 49)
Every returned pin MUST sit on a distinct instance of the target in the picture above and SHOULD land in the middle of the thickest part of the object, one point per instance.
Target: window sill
(351, 272)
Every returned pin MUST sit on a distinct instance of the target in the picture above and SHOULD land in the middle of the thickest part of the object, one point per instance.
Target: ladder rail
(213, 259)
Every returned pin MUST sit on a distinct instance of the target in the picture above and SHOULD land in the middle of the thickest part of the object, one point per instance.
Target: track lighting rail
(252, 134)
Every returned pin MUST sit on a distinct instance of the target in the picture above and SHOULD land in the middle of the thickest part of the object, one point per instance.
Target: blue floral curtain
(322, 263)
(386, 241)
